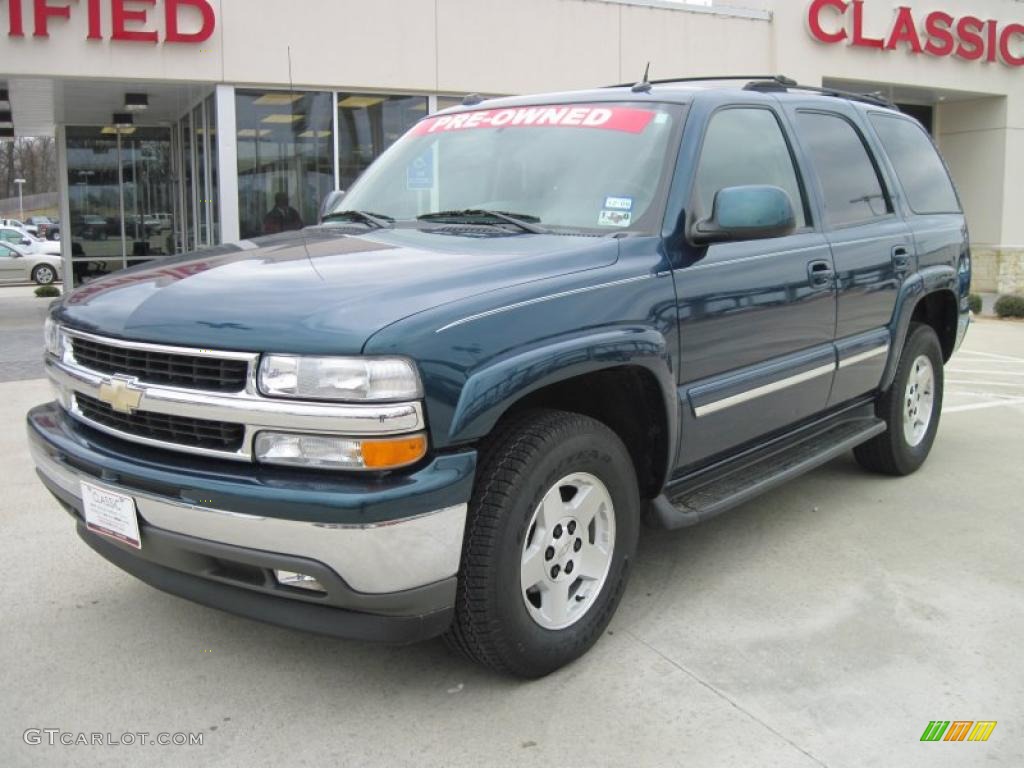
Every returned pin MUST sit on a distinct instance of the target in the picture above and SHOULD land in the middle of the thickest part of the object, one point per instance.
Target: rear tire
(910, 408)
(551, 533)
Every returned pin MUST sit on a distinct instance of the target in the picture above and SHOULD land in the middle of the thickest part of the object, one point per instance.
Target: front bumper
(386, 550)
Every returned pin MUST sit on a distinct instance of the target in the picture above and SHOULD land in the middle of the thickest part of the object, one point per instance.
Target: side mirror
(26, 241)
(747, 213)
(330, 202)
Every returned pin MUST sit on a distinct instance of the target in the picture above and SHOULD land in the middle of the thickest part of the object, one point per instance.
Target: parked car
(447, 408)
(28, 241)
(45, 227)
(17, 224)
(18, 265)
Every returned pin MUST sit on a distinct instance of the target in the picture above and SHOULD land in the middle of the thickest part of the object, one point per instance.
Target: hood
(316, 291)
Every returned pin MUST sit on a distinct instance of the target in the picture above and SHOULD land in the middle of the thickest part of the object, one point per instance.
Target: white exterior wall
(499, 46)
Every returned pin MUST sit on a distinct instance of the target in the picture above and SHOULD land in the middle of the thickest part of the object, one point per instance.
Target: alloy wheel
(568, 551)
(918, 401)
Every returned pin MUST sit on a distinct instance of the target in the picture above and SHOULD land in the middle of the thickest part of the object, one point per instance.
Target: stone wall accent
(997, 270)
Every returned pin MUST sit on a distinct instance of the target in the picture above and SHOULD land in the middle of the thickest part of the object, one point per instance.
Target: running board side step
(693, 503)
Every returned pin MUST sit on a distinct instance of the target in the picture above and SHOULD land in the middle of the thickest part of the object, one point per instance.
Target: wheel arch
(621, 378)
(929, 297)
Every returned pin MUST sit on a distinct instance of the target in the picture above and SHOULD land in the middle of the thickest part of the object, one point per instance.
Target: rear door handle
(821, 274)
(901, 258)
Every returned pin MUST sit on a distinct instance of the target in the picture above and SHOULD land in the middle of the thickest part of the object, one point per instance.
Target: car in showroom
(19, 265)
(91, 227)
(532, 324)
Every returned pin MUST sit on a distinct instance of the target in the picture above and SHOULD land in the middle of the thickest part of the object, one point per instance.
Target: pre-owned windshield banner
(622, 119)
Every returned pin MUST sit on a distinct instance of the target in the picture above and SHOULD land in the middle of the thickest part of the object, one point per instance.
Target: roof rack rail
(774, 86)
(764, 78)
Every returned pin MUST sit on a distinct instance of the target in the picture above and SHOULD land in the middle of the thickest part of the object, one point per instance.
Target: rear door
(929, 198)
(756, 316)
(872, 246)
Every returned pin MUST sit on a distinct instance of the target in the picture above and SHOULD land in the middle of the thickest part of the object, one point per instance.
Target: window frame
(895, 171)
(883, 181)
(810, 222)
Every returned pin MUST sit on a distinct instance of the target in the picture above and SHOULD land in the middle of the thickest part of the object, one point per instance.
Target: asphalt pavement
(823, 624)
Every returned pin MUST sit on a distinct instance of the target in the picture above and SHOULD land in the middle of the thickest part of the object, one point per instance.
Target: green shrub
(47, 291)
(1010, 306)
(974, 302)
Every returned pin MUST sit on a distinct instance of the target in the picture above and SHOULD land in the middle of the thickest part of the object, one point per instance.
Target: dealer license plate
(111, 514)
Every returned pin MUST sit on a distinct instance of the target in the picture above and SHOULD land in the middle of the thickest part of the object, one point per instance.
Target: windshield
(591, 167)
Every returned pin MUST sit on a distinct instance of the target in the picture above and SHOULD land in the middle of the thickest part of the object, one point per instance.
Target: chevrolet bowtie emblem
(121, 394)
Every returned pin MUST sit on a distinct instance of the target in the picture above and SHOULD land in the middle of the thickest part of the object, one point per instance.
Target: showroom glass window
(285, 158)
(368, 124)
(109, 169)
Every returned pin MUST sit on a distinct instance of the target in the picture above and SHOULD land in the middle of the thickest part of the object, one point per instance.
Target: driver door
(757, 317)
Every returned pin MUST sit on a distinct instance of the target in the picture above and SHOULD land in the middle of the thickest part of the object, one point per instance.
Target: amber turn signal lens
(398, 452)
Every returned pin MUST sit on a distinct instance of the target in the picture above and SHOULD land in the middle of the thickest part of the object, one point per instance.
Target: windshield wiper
(375, 220)
(524, 221)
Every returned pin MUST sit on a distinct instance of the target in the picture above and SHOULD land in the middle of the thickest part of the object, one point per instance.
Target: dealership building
(178, 122)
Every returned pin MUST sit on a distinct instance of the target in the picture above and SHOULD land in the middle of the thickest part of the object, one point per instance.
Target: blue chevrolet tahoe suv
(531, 324)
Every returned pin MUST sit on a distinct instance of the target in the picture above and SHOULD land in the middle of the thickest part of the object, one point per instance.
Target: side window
(743, 147)
(849, 179)
(5, 252)
(918, 166)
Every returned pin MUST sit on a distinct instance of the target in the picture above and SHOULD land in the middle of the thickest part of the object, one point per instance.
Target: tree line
(31, 159)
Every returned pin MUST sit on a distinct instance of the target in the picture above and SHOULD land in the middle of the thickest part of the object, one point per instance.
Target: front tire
(910, 408)
(43, 274)
(551, 533)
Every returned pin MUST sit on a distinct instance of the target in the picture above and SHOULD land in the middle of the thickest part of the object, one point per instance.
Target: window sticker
(619, 203)
(419, 174)
(623, 119)
(615, 219)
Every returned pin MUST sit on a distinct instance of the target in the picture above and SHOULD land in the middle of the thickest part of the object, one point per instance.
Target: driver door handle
(820, 273)
(901, 258)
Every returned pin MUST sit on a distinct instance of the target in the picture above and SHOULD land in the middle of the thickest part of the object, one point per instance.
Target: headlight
(53, 338)
(339, 378)
(332, 452)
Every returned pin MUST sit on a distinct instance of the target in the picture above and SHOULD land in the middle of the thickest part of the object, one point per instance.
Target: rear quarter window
(921, 172)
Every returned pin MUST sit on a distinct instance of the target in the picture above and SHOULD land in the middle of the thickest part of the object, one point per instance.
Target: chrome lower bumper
(373, 559)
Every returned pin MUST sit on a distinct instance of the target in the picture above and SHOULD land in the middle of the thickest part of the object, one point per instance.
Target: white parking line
(1003, 358)
(992, 373)
(982, 406)
(977, 382)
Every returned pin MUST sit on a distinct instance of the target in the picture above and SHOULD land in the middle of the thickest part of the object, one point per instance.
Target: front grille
(187, 371)
(195, 433)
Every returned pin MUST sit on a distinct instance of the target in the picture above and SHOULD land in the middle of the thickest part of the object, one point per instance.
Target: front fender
(491, 390)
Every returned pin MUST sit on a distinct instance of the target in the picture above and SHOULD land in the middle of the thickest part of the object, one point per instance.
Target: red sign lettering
(43, 12)
(122, 16)
(567, 116)
(185, 21)
(174, 35)
(967, 37)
